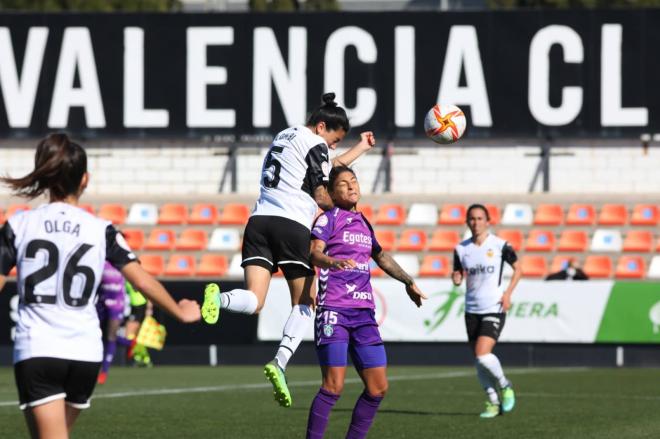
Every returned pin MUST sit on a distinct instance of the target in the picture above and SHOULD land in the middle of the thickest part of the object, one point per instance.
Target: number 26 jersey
(59, 250)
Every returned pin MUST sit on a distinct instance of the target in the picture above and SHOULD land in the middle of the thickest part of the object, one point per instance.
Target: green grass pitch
(423, 402)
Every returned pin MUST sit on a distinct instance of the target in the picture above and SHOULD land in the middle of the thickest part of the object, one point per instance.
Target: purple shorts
(340, 331)
(111, 306)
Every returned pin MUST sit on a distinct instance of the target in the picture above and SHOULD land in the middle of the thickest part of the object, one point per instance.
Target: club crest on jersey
(349, 220)
(328, 330)
(322, 221)
(490, 253)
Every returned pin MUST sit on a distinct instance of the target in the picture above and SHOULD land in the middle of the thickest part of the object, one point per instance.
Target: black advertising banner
(516, 74)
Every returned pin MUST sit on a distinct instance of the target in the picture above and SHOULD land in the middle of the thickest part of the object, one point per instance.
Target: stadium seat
(367, 211)
(654, 268)
(517, 214)
(235, 213)
(134, 238)
(142, 214)
(386, 238)
(581, 215)
(203, 213)
(613, 215)
(374, 269)
(160, 239)
(645, 215)
(540, 241)
(225, 239)
(152, 264)
(444, 240)
(495, 214)
(606, 240)
(422, 214)
(115, 213)
(390, 214)
(560, 262)
(573, 241)
(549, 215)
(630, 267)
(87, 208)
(180, 265)
(435, 266)
(534, 266)
(409, 263)
(452, 215)
(638, 241)
(235, 269)
(413, 240)
(173, 214)
(192, 239)
(212, 265)
(598, 266)
(513, 237)
(13, 209)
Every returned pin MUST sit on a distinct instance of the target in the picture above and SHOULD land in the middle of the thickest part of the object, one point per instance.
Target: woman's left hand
(506, 301)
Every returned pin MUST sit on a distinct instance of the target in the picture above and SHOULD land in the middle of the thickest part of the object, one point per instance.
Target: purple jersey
(347, 235)
(112, 293)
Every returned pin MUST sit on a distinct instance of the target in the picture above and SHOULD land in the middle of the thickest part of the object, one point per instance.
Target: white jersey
(482, 266)
(59, 251)
(297, 163)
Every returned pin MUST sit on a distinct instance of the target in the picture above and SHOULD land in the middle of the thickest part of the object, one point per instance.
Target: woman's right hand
(457, 277)
(189, 311)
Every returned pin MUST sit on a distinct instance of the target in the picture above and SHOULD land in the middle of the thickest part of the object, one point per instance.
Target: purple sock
(319, 413)
(363, 415)
(123, 341)
(109, 349)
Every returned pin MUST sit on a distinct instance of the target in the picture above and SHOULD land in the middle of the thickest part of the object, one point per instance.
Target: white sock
(239, 301)
(294, 330)
(487, 382)
(492, 364)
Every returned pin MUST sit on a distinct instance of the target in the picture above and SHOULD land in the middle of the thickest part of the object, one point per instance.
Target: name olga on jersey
(480, 269)
(55, 226)
(356, 238)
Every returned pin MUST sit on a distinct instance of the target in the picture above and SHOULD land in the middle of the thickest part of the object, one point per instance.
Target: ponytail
(329, 112)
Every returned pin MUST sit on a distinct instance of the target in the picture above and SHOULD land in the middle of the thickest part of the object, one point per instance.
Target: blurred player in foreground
(277, 235)
(59, 251)
(342, 243)
(481, 260)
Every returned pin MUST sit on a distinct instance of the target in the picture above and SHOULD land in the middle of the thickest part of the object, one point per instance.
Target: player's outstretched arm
(367, 142)
(186, 311)
(393, 269)
(321, 260)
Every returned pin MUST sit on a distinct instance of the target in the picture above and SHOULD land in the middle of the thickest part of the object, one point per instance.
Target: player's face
(477, 222)
(346, 191)
(331, 137)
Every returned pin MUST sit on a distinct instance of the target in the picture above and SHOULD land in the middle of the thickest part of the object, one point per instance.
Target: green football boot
(492, 410)
(275, 375)
(508, 399)
(211, 305)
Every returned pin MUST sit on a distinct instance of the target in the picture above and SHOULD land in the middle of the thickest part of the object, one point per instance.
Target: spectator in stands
(571, 272)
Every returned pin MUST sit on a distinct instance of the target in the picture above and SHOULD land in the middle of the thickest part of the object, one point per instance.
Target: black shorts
(274, 242)
(489, 325)
(137, 313)
(42, 379)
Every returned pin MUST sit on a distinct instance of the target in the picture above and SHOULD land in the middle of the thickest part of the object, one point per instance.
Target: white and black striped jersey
(297, 163)
(482, 266)
(59, 251)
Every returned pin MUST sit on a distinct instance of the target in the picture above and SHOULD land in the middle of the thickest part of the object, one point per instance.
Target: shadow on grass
(400, 412)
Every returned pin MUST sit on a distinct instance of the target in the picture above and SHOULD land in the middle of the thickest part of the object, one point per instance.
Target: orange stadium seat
(412, 240)
(160, 239)
(534, 266)
(444, 240)
(386, 238)
(540, 241)
(452, 214)
(513, 237)
(192, 239)
(645, 215)
(180, 265)
(435, 266)
(367, 211)
(560, 262)
(613, 215)
(134, 238)
(630, 267)
(581, 215)
(173, 214)
(203, 213)
(87, 208)
(235, 213)
(598, 266)
(152, 264)
(638, 241)
(495, 214)
(212, 265)
(573, 241)
(375, 270)
(115, 213)
(391, 214)
(13, 209)
(549, 215)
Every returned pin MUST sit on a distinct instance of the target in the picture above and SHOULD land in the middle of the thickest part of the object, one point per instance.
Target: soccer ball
(444, 123)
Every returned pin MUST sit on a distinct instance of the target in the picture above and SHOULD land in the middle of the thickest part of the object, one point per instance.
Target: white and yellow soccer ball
(444, 123)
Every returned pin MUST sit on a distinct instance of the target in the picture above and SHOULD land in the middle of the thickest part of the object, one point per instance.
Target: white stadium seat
(606, 240)
(235, 269)
(409, 263)
(143, 214)
(654, 268)
(517, 214)
(224, 239)
(422, 214)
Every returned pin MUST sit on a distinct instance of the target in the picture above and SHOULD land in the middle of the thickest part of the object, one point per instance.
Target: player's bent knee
(335, 388)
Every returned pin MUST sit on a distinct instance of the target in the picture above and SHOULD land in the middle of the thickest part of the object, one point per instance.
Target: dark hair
(59, 166)
(334, 173)
(477, 206)
(329, 112)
